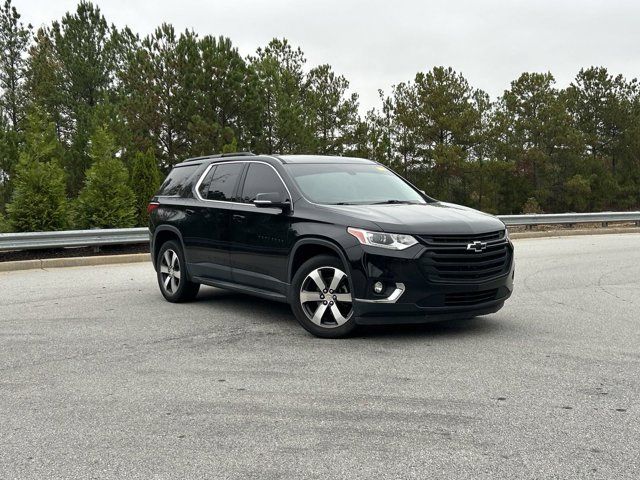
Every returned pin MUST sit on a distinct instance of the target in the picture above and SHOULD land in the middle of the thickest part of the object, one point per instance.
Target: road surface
(102, 378)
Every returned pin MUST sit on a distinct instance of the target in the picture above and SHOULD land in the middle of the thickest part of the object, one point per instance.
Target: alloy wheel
(325, 297)
(170, 271)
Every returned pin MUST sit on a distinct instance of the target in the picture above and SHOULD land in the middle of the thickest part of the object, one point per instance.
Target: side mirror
(272, 200)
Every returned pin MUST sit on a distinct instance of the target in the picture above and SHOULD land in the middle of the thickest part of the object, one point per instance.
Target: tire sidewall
(179, 294)
(316, 262)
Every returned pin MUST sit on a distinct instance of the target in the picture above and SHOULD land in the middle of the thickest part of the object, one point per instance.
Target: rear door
(260, 236)
(209, 237)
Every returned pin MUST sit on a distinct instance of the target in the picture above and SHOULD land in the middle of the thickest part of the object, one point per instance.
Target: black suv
(345, 241)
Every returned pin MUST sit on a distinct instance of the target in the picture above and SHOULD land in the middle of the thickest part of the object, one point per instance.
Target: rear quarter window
(176, 180)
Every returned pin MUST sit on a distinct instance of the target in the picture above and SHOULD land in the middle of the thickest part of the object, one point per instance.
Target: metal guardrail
(73, 238)
(132, 236)
(569, 218)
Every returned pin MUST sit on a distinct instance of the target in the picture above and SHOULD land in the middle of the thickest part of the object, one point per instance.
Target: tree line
(93, 116)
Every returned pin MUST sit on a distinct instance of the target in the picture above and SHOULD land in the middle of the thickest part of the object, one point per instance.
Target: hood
(438, 218)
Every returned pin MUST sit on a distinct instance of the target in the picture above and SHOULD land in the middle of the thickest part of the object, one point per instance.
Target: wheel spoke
(174, 259)
(337, 316)
(176, 274)
(174, 284)
(164, 268)
(167, 258)
(315, 276)
(306, 296)
(167, 280)
(337, 277)
(317, 316)
(343, 297)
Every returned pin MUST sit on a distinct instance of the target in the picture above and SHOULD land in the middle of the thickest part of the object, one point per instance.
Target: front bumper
(422, 299)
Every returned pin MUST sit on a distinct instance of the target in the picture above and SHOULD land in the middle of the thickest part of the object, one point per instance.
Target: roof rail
(237, 154)
(221, 155)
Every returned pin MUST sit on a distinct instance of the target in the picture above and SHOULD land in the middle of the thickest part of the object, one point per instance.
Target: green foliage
(38, 202)
(5, 227)
(9, 147)
(531, 206)
(106, 201)
(280, 79)
(145, 180)
(578, 192)
(14, 39)
(332, 114)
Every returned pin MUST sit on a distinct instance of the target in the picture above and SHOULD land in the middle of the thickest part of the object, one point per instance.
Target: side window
(203, 189)
(261, 178)
(176, 180)
(224, 181)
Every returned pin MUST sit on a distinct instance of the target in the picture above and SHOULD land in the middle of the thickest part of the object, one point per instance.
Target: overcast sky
(378, 43)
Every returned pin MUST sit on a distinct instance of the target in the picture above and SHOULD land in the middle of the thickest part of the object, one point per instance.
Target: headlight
(506, 233)
(392, 241)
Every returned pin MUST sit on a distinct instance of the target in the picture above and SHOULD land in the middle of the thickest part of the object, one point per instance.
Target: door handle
(239, 218)
(190, 211)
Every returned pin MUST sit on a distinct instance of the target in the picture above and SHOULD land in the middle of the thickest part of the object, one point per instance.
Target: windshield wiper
(394, 202)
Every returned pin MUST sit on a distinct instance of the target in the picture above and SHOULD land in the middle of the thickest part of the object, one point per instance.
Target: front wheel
(172, 274)
(322, 300)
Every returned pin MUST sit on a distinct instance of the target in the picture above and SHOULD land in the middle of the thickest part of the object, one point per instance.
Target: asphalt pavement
(102, 378)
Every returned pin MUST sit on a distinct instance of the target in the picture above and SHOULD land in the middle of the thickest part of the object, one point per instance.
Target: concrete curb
(144, 257)
(73, 262)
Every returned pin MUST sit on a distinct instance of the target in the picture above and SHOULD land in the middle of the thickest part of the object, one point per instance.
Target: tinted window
(261, 178)
(176, 180)
(206, 181)
(351, 184)
(224, 181)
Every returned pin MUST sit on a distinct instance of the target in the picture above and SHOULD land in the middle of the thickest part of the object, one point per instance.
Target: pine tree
(280, 76)
(106, 201)
(38, 202)
(145, 180)
(158, 93)
(333, 116)
(85, 52)
(44, 81)
(14, 40)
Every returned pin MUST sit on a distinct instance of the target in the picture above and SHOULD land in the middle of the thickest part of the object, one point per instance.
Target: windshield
(351, 184)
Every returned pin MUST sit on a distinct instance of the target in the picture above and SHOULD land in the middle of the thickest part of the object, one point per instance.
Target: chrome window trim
(212, 164)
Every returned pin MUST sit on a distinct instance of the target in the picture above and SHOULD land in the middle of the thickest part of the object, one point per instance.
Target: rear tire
(321, 297)
(172, 274)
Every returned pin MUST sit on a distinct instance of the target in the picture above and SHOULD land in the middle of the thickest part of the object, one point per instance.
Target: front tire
(321, 299)
(172, 274)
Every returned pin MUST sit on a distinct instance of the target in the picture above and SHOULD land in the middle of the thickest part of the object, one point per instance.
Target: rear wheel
(172, 274)
(322, 300)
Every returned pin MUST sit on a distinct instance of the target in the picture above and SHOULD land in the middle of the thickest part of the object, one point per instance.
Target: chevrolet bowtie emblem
(477, 246)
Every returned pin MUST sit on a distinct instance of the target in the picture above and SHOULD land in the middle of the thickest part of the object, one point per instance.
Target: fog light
(378, 287)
